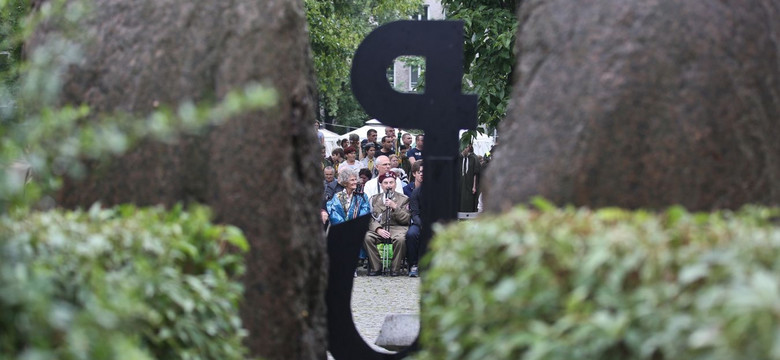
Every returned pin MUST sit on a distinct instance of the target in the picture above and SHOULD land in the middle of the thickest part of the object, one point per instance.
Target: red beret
(386, 175)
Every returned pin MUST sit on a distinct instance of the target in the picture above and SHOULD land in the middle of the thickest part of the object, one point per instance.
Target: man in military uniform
(390, 222)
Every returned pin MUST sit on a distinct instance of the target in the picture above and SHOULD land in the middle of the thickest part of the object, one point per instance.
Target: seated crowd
(385, 180)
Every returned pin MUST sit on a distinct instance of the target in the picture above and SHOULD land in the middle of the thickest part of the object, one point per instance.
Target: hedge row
(608, 284)
(123, 283)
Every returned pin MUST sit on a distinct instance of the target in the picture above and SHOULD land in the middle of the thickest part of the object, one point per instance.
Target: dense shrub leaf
(609, 284)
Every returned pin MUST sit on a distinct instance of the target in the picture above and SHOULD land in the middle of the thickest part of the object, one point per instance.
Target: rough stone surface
(398, 331)
(643, 104)
(258, 171)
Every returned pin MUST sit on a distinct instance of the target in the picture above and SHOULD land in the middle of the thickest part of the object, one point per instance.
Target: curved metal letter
(344, 341)
(441, 112)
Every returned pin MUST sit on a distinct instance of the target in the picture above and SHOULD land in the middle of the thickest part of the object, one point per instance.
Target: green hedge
(609, 284)
(123, 283)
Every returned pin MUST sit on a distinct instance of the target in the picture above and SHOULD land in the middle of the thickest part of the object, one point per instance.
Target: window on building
(423, 14)
(414, 76)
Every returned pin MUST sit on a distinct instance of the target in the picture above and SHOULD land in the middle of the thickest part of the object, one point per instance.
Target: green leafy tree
(490, 27)
(12, 13)
(336, 28)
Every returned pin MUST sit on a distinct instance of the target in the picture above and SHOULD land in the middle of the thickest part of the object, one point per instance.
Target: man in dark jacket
(415, 172)
(469, 180)
(413, 234)
(331, 185)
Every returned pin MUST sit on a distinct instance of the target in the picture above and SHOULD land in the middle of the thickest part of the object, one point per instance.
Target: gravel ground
(375, 297)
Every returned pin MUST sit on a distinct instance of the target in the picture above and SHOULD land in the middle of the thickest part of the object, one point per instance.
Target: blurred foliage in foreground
(124, 283)
(607, 284)
(121, 283)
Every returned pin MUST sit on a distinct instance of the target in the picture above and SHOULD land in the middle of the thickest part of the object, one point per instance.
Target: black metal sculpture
(441, 111)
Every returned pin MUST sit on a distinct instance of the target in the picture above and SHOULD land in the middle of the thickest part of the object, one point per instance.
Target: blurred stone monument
(258, 171)
(642, 104)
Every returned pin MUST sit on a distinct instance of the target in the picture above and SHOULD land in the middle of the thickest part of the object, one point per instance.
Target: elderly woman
(347, 204)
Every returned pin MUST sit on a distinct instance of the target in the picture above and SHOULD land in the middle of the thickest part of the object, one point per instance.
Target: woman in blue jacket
(348, 204)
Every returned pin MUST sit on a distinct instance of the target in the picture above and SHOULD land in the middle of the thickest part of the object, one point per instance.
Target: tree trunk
(258, 171)
(643, 104)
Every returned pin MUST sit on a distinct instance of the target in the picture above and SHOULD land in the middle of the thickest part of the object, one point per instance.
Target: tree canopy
(336, 28)
(490, 27)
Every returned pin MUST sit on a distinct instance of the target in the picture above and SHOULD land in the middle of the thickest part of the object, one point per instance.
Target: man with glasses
(373, 187)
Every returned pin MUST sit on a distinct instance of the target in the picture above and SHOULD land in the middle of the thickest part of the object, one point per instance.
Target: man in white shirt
(372, 187)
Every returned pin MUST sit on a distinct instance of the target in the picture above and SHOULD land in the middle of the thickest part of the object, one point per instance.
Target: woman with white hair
(347, 204)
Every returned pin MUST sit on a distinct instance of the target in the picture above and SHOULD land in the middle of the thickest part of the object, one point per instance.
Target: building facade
(406, 72)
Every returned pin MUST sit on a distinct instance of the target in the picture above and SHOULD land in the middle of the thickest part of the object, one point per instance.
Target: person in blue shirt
(415, 154)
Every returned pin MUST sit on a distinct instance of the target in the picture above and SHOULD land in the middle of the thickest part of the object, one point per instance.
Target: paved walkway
(375, 297)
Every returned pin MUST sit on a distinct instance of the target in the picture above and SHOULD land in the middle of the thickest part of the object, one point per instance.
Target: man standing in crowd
(324, 161)
(403, 161)
(390, 131)
(415, 226)
(406, 139)
(370, 139)
(416, 153)
(387, 146)
(469, 177)
(354, 141)
(390, 222)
